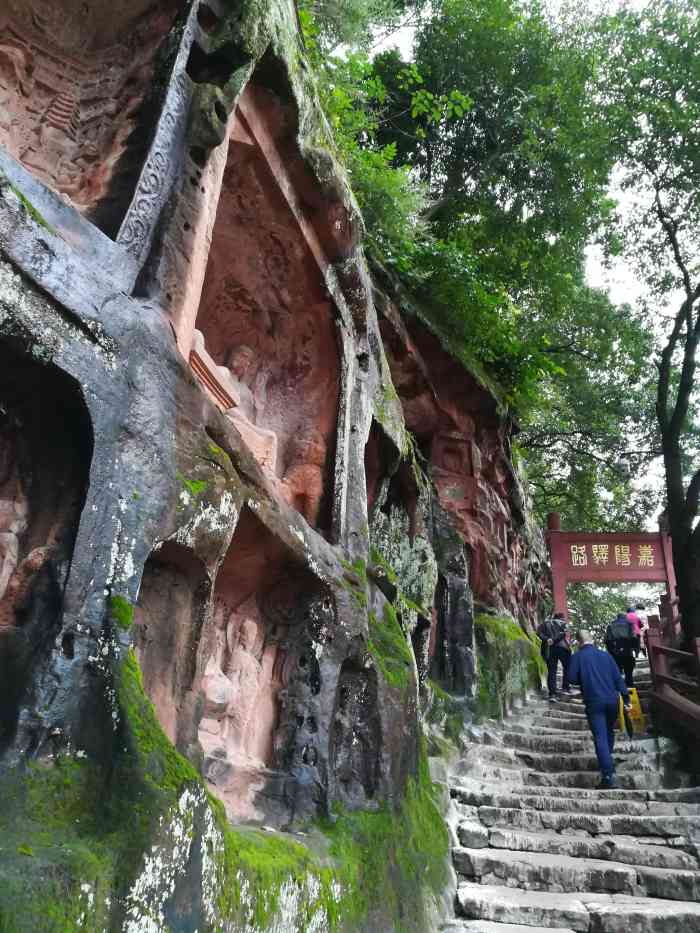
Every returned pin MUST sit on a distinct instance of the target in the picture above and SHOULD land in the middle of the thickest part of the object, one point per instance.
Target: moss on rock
(81, 845)
(389, 647)
(509, 664)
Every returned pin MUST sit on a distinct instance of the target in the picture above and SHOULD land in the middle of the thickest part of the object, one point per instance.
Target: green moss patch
(73, 837)
(509, 664)
(446, 714)
(122, 612)
(393, 861)
(390, 649)
(29, 208)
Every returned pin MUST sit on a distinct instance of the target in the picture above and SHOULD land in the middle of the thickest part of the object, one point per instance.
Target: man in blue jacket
(598, 675)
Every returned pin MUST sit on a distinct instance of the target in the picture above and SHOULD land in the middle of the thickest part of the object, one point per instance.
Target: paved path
(539, 848)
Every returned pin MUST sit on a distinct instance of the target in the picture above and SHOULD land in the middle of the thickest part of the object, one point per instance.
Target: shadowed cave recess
(249, 506)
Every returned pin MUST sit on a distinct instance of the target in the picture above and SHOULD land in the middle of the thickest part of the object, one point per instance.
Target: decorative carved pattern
(73, 78)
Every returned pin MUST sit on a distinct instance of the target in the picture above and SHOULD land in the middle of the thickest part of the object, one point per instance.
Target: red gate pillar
(558, 568)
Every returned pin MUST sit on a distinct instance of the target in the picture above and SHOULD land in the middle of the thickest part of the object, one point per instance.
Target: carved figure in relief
(13, 507)
(251, 393)
(15, 575)
(15, 81)
(240, 362)
(71, 82)
(303, 481)
(241, 688)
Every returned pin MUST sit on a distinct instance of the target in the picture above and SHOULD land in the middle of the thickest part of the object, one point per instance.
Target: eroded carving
(73, 78)
(303, 481)
(241, 689)
(355, 740)
(16, 571)
(265, 315)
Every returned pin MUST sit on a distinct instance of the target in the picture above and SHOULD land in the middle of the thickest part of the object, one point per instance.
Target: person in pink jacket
(636, 624)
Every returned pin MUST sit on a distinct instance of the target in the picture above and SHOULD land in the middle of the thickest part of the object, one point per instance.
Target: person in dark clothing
(598, 675)
(620, 641)
(555, 650)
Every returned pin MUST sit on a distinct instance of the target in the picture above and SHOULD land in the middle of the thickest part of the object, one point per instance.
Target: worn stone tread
(584, 912)
(528, 800)
(625, 849)
(547, 872)
(488, 926)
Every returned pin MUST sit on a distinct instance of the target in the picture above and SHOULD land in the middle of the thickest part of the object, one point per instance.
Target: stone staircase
(539, 848)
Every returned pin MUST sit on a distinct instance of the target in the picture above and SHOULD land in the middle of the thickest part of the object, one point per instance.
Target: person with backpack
(621, 642)
(636, 628)
(643, 616)
(555, 650)
(601, 686)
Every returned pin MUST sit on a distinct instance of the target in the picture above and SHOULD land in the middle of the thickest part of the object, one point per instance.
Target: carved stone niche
(45, 454)
(381, 459)
(261, 684)
(265, 345)
(74, 84)
(356, 735)
(168, 624)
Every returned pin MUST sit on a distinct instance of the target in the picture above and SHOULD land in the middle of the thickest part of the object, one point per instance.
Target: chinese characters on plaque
(617, 555)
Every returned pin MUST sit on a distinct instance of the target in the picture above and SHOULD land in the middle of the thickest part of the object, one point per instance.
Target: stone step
(570, 724)
(644, 780)
(576, 706)
(500, 798)
(488, 926)
(548, 729)
(576, 744)
(672, 795)
(639, 780)
(584, 912)
(597, 824)
(537, 871)
(625, 849)
(550, 761)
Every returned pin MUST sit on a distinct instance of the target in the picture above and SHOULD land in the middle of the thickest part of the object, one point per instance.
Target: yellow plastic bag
(632, 721)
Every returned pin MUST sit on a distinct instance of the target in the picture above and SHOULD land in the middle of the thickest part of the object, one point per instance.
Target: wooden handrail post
(657, 660)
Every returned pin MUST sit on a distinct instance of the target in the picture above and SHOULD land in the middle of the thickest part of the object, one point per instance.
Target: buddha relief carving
(265, 314)
(241, 687)
(303, 481)
(250, 385)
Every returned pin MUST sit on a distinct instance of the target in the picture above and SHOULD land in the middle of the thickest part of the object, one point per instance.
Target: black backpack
(619, 637)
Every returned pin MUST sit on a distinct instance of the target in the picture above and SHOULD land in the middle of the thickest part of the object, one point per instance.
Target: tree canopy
(486, 162)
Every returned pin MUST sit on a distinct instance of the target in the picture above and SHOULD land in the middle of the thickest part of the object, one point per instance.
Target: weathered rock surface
(222, 570)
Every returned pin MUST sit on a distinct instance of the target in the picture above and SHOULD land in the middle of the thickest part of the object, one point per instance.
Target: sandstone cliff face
(236, 483)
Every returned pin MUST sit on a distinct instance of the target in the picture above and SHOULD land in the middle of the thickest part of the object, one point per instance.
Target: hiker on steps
(620, 641)
(555, 649)
(598, 675)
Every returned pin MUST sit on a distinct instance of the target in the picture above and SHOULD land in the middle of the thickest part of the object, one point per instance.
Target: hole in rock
(206, 17)
(76, 105)
(45, 452)
(167, 629)
(265, 345)
(199, 157)
(254, 699)
(380, 460)
(214, 67)
(68, 645)
(356, 733)
(220, 111)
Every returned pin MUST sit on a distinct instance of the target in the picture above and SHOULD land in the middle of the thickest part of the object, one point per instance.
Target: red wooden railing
(669, 690)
